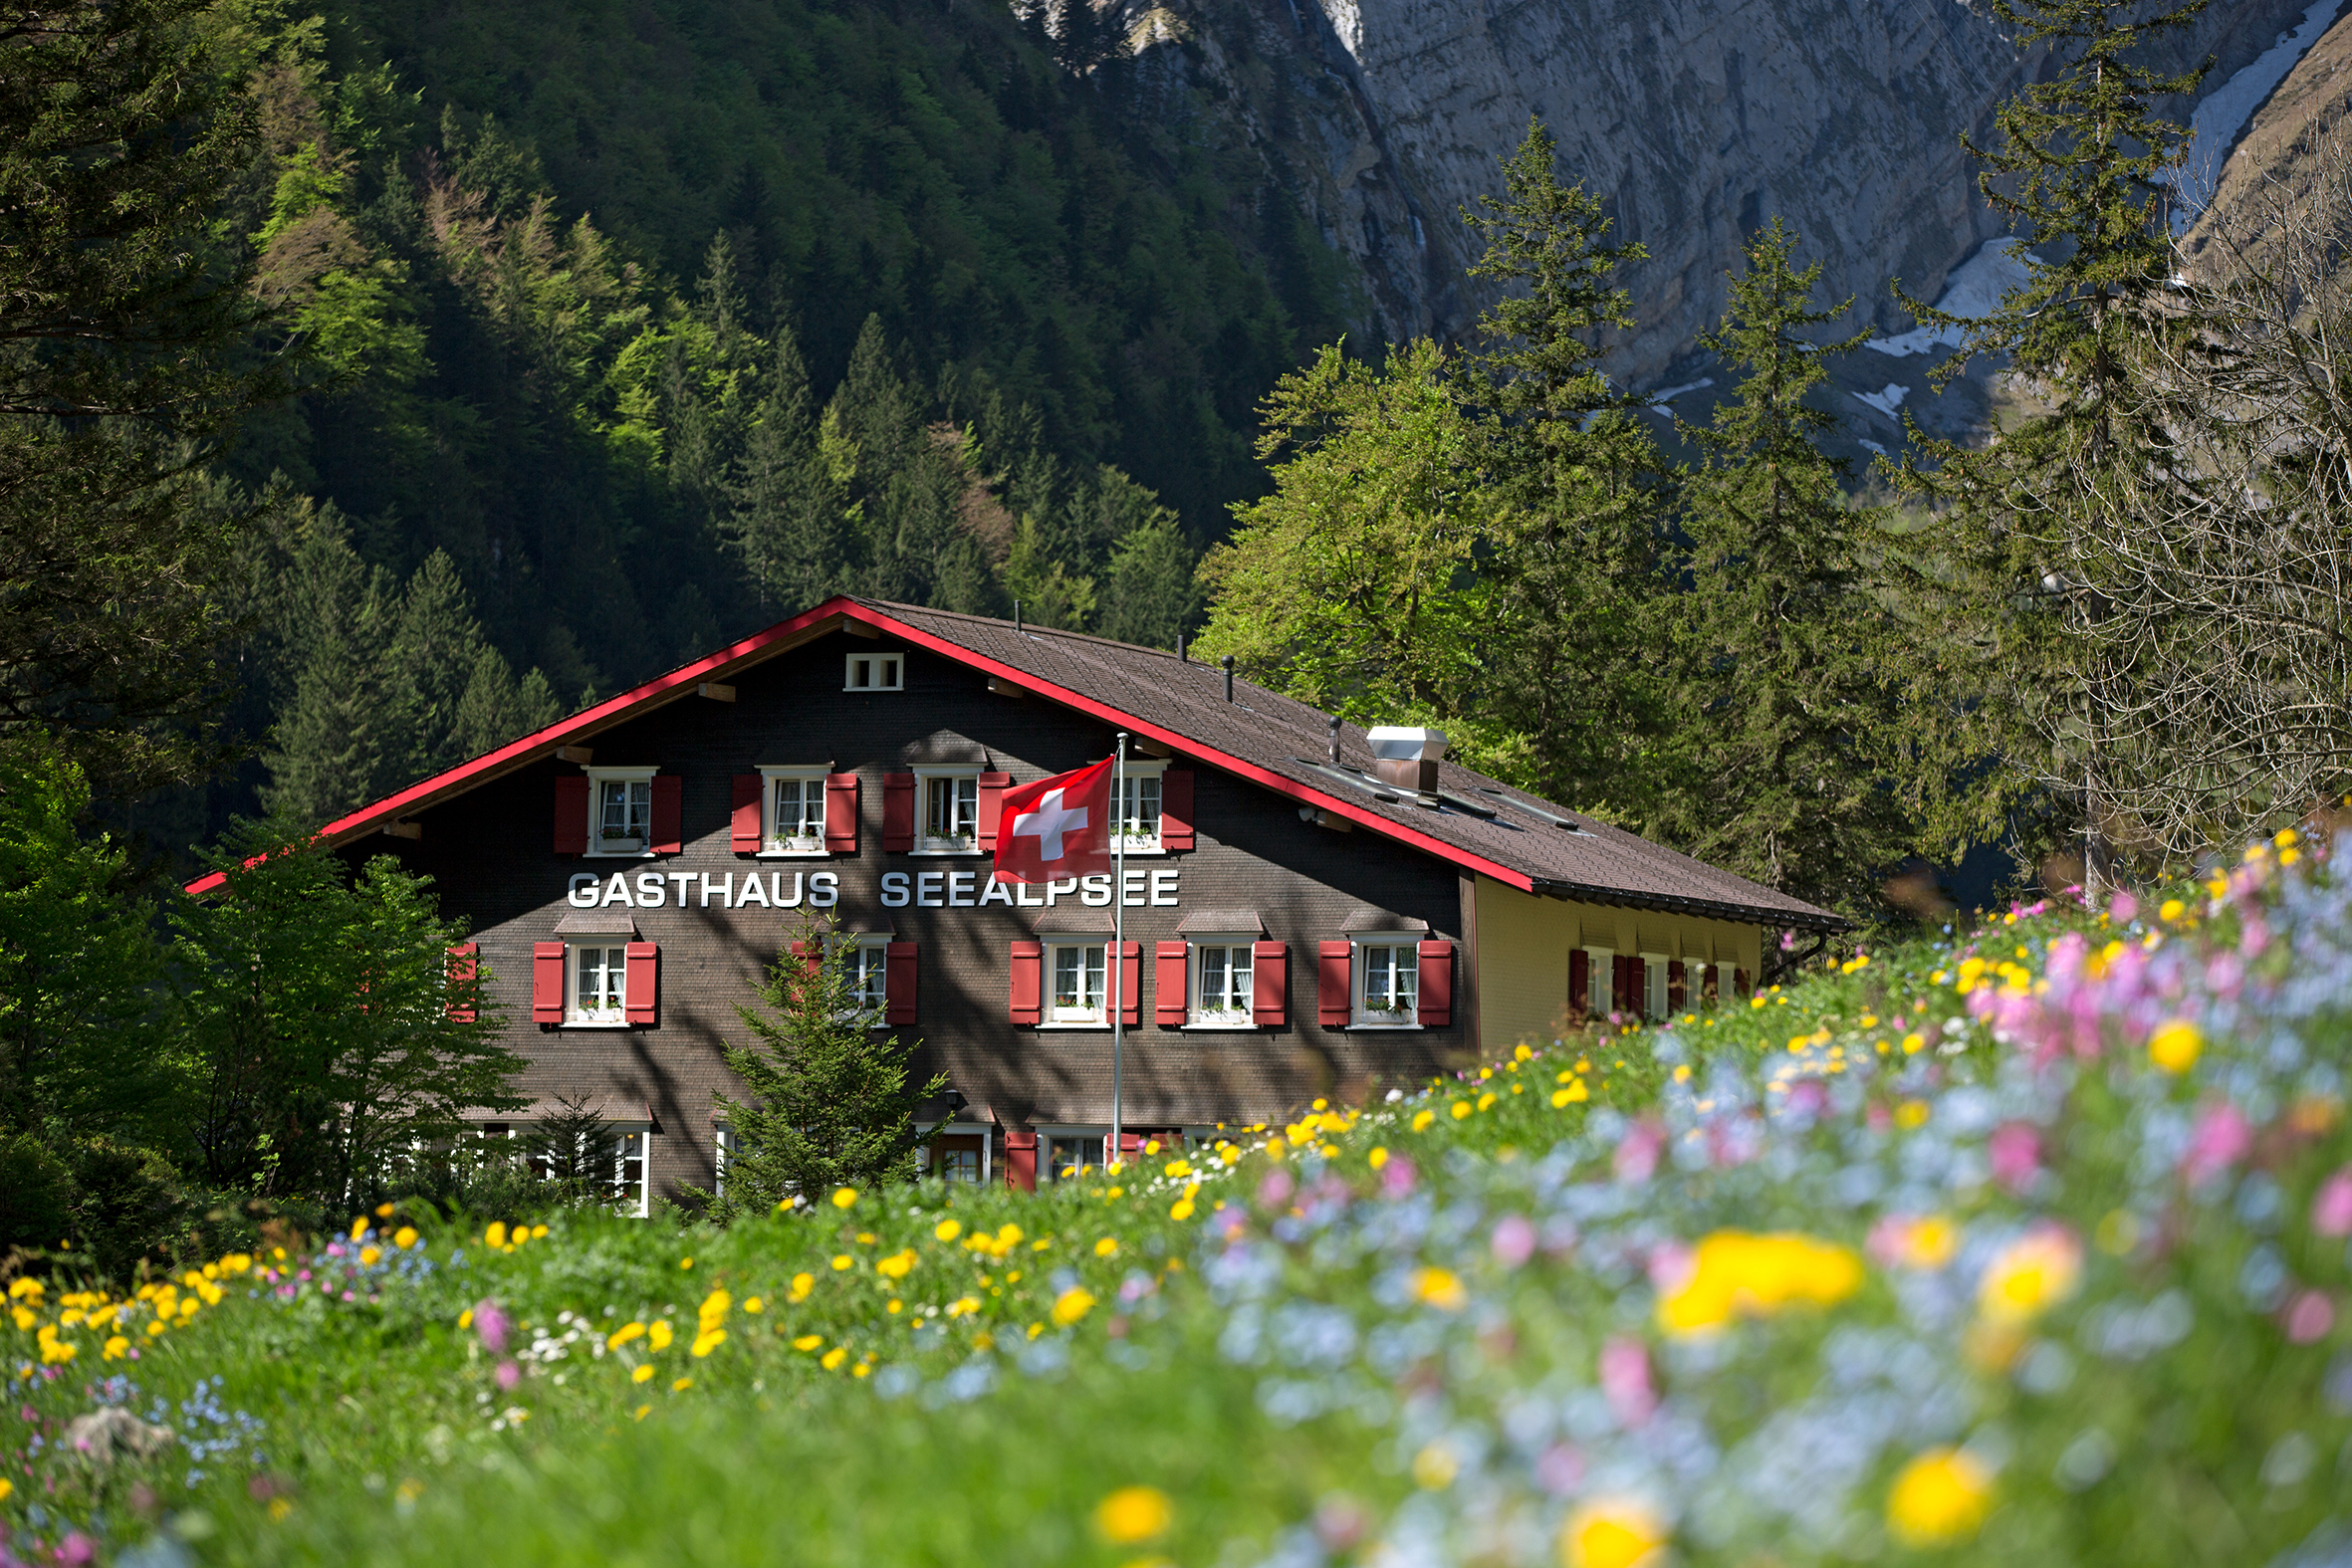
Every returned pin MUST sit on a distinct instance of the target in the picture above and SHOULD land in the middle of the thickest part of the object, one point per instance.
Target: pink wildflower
(1625, 1380)
(1514, 1241)
(1637, 1153)
(2221, 1138)
(2331, 1206)
(2015, 1152)
(1397, 1177)
(491, 1322)
(507, 1375)
(1276, 1190)
(2308, 1317)
(2124, 910)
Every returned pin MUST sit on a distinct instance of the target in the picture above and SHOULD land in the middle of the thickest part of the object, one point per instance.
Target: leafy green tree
(120, 330)
(1573, 685)
(829, 1100)
(1355, 584)
(1786, 711)
(2014, 545)
(80, 1053)
(328, 1033)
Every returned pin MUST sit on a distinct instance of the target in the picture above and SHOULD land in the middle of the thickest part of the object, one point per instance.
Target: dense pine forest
(704, 315)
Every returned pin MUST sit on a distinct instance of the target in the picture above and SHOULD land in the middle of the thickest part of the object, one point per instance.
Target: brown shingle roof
(1553, 849)
(1480, 824)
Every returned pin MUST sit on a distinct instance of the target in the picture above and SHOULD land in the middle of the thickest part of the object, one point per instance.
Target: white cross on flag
(1058, 828)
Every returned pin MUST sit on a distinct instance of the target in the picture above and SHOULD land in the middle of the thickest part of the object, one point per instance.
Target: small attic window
(874, 672)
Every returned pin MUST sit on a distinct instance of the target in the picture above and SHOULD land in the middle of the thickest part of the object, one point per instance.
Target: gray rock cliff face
(1696, 120)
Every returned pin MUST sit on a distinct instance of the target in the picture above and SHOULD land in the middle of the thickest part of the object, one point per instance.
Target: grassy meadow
(2026, 1244)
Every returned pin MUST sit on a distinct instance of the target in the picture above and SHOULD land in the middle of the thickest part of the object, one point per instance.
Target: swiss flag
(1056, 828)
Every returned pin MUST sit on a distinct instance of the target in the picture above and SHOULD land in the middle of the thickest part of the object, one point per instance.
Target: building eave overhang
(830, 618)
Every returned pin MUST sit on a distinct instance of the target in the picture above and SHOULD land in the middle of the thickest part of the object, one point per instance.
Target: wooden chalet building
(1302, 917)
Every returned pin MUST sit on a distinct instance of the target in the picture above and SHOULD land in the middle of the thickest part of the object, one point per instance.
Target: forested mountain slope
(634, 326)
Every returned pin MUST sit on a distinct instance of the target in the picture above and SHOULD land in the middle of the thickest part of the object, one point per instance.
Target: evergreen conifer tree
(496, 708)
(2013, 550)
(349, 734)
(433, 656)
(1573, 685)
(830, 1101)
(1785, 711)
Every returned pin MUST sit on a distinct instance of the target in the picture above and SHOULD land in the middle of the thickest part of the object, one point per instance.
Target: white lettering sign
(1156, 889)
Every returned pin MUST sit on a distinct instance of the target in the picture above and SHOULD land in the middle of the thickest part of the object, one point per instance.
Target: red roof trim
(680, 681)
(516, 752)
(1233, 764)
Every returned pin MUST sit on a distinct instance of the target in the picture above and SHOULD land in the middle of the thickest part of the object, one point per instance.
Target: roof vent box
(1406, 757)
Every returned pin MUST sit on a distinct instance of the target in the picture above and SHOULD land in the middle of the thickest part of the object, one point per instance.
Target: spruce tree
(790, 511)
(348, 733)
(1575, 687)
(830, 1101)
(433, 654)
(2010, 560)
(1785, 712)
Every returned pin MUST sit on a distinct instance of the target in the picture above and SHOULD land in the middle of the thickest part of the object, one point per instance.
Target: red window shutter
(1130, 983)
(1170, 981)
(1675, 985)
(1437, 985)
(1333, 960)
(807, 953)
(465, 961)
(1021, 1161)
(1740, 983)
(547, 979)
(898, 982)
(669, 814)
(840, 813)
(1626, 983)
(1579, 981)
(898, 813)
(641, 990)
(1029, 974)
(992, 806)
(572, 814)
(1269, 985)
(1176, 809)
(750, 791)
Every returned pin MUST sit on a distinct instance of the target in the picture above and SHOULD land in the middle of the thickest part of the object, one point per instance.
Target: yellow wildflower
(832, 1360)
(1435, 1467)
(808, 1342)
(802, 1285)
(1939, 1498)
(1109, 1246)
(1377, 1157)
(1735, 1274)
(1072, 1305)
(1133, 1515)
(2033, 1273)
(1422, 1119)
(659, 1336)
(1441, 1288)
(948, 1229)
(843, 1196)
(403, 1239)
(623, 1335)
(2175, 1045)
(495, 1236)
(643, 1374)
(1612, 1532)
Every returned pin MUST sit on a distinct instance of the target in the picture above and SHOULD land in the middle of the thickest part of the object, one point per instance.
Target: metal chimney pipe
(1016, 618)
(1180, 648)
(1335, 740)
(1226, 661)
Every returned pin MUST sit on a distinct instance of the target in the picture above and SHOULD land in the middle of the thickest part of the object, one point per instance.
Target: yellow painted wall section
(1524, 944)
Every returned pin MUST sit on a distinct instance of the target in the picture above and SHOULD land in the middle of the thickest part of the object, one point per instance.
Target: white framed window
(1071, 1152)
(1388, 984)
(1074, 991)
(620, 811)
(793, 810)
(1653, 978)
(631, 1193)
(947, 812)
(1223, 984)
(596, 985)
(1600, 981)
(869, 977)
(1138, 813)
(874, 672)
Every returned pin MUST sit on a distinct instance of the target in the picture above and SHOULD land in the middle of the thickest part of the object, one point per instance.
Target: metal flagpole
(1119, 942)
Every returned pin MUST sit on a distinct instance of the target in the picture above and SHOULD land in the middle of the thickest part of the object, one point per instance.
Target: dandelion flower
(2033, 1273)
(1133, 1515)
(1612, 1532)
(948, 1229)
(495, 1236)
(843, 1196)
(808, 1342)
(1072, 1305)
(1109, 1246)
(1734, 1273)
(403, 1239)
(368, 1256)
(659, 1335)
(643, 1374)
(833, 1359)
(1940, 1497)
(2174, 1046)
(681, 1385)
(1441, 1288)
